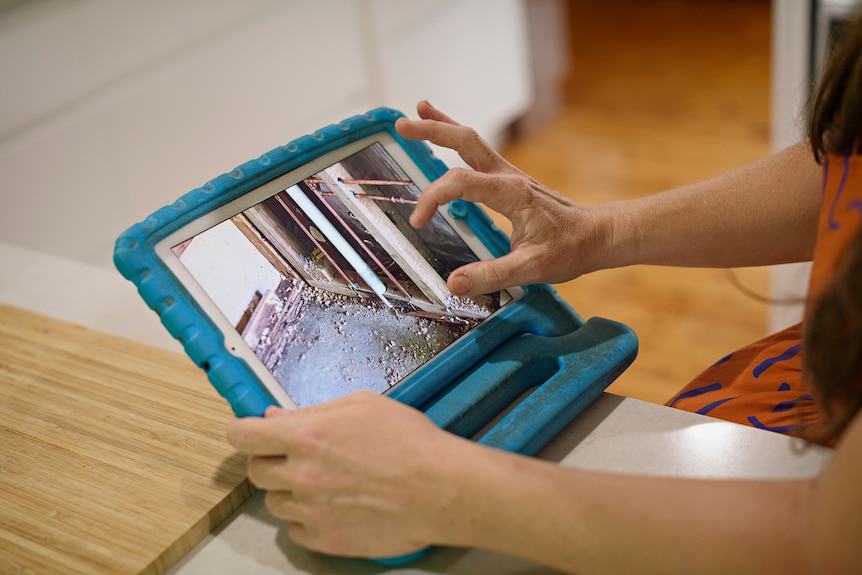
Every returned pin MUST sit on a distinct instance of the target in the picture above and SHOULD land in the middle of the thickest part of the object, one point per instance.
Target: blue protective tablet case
(537, 349)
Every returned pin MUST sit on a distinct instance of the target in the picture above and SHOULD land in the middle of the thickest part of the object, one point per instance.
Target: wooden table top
(113, 456)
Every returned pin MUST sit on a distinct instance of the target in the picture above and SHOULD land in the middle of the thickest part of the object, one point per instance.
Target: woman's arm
(591, 522)
(759, 214)
(762, 213)
(367, 476)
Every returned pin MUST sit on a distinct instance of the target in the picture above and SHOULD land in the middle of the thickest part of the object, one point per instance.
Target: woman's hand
(553, 238)
(358, 476)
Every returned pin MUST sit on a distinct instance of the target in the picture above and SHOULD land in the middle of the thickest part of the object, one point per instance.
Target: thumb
(275, 411)
(489, 276)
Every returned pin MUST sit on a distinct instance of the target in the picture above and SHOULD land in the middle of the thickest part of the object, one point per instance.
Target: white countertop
(613, 434)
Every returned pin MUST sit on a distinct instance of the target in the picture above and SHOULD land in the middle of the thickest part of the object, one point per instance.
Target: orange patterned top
(762, 384)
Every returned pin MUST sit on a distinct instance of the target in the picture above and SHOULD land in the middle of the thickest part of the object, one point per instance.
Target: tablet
(313, 279)
(297, 278)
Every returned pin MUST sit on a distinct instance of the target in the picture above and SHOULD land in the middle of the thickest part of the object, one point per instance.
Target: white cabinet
(468, 58)
(112, 109)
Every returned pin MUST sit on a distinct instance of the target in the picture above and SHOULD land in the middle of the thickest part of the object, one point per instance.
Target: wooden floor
(660, 94)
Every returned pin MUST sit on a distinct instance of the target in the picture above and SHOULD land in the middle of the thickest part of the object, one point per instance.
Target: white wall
(112, 109)
(229, 269)
(790, 79)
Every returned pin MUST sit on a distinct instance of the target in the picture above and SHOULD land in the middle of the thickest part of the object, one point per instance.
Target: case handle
(566, 373)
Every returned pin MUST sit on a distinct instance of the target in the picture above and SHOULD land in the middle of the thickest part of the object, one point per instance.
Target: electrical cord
(734, 280)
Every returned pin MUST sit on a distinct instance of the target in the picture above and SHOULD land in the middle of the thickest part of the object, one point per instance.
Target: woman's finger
(300, 534)
(284, 505)
(268, 472)
(502, 193)
(428, 112)
(487, 276)
(257, 436)
(475, 151)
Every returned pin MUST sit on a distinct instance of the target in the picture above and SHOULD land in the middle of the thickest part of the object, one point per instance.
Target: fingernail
(460, 285)
(272, 411)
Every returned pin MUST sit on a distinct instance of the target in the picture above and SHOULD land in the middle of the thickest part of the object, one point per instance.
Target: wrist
(444, 496)
(616, 236)
(473, 494)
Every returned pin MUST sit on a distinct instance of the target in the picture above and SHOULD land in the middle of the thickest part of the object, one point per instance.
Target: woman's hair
(832, 345)
(832, 341)
(835, 111)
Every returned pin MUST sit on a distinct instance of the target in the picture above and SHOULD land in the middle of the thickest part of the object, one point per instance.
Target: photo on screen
(330, 285)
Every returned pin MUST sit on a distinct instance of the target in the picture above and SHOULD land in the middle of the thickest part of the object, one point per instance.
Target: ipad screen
(326, 282)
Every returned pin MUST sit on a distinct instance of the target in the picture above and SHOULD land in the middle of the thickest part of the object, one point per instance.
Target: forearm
(760, 214)
(587, 522)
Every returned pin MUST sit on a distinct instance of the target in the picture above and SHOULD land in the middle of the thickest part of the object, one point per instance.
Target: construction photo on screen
(331, 286)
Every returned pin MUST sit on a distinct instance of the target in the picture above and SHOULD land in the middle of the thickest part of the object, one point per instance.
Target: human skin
(365, 475)
(762, 213)
(355, 488)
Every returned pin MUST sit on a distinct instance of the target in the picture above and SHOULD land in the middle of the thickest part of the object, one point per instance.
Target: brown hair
(835, 111)
(832, 341)
(832, 345)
